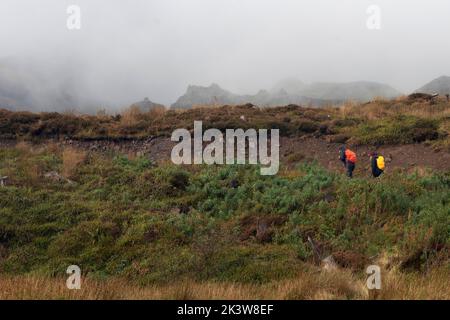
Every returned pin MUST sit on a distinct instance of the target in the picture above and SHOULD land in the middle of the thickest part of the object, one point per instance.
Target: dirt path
(409, 157)
(292, 150)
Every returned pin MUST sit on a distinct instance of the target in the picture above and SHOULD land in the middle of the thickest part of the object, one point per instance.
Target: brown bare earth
(409, 157)
(88, 195)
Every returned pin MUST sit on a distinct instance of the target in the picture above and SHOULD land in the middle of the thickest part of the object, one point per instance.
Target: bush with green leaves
(398, 130)
(131, 218)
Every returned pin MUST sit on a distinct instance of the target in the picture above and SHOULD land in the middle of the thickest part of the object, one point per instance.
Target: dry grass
(24, 146)
(348, 109)
(379, 109)
(72, 158)
(102, 115)
(435, 285)
(338, 284)
(205, 106)
(135, 122)
(130, 116)
(157, 112)
(52, 147)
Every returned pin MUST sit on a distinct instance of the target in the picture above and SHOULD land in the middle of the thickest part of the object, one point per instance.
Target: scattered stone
(55, 176)
(264, 234)
(184, 209)
(388, 158)
(234, 184)
(329, 197)
(151, 234)
(3, 181)
(323, 129)
(329, 264)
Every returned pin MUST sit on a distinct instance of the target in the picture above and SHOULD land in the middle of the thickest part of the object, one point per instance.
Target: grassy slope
(163, 224)
(122, 218)
(379, 122)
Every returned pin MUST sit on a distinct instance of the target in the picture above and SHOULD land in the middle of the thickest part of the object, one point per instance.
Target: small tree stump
(3, 181)
(374, 294)
(316, 251)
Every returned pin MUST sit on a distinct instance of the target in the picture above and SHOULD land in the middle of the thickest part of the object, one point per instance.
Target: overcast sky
(127, 50)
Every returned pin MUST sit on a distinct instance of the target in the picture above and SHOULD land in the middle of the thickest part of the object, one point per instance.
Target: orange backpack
(350, 155)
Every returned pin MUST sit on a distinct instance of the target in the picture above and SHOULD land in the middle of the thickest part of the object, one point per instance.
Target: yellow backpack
(380, 162)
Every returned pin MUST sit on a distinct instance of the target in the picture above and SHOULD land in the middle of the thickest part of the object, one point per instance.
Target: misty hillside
(290, 91)
(24, 86)
(28, 86)
(440, 85)
(215, 95)
(290, 85)
(103, 192)
(358, 90)
(13, 95)
(147, 105)
(198, 95)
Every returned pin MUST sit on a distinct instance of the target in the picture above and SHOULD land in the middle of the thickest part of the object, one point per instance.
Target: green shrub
(160, 223)
(401, 129)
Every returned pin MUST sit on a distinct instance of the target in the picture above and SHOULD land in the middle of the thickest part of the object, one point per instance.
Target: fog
(128, 50)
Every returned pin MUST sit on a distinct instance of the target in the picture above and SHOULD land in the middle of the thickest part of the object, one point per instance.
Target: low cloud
(126, 51)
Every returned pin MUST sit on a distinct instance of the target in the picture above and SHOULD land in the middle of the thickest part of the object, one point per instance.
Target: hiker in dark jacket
(377, 164)
(348, 157)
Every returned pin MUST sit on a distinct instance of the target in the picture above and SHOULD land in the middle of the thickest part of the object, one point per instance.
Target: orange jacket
(350, 155)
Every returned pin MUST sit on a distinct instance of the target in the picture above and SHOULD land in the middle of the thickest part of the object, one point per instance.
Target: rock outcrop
(440, 85)
(288, 92)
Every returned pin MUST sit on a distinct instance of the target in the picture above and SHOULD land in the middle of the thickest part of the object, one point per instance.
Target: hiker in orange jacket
(348, 157)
